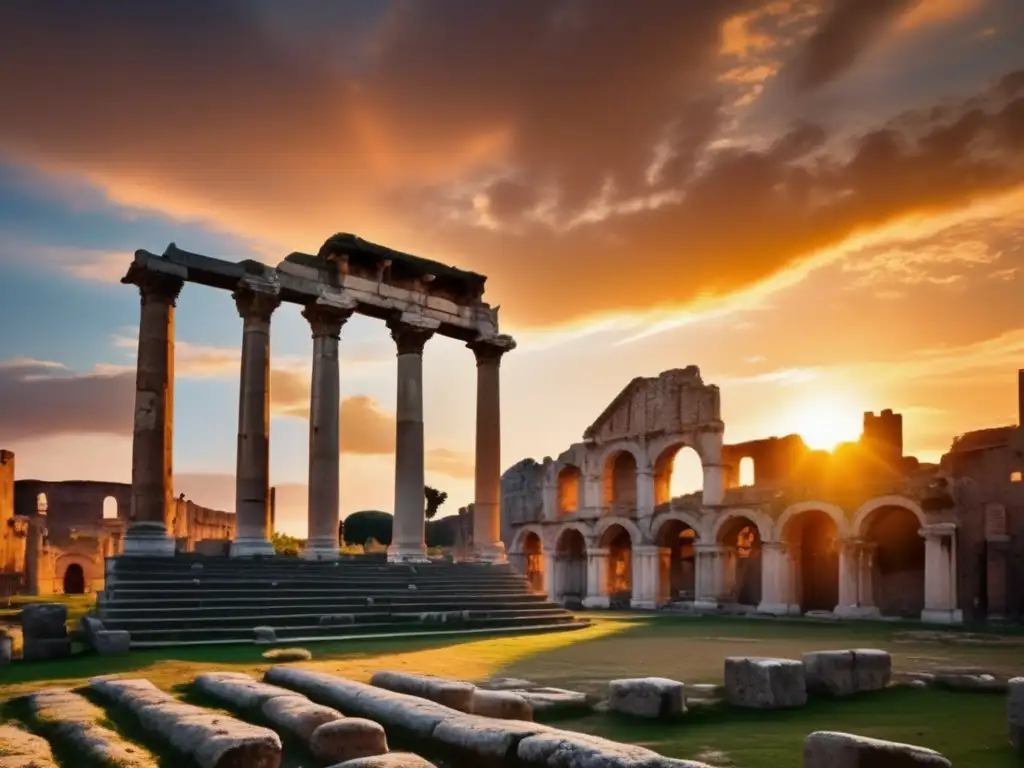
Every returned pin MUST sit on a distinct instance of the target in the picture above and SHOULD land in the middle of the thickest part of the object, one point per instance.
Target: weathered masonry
(417, 298)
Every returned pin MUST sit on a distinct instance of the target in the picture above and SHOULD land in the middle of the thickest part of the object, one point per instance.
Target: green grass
(969, 728)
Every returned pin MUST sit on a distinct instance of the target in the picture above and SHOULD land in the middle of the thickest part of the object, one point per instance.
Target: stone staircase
(190, 599)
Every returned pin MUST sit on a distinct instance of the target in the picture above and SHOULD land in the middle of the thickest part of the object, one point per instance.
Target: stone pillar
(714, 485)
(796, 584)
(705, 587)
(997, 554)
(550, 577)
(940, 575)
(646, 568)
(34, 551)
(487, 543)
(256, 302)
(774, 579)
(645, 492)
(849, 578)
(728, 558)
(597, 578)
(325, 321)
(866, 580)
(407, 541)
(152, 435)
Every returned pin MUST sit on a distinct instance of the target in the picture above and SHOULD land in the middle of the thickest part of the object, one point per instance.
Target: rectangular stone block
(45, 650)
(872, 669)
(1015, 713)
(830, 673)
(764, 683)
(826, 749)
(353, 282)
(650, 697)
(443, 305)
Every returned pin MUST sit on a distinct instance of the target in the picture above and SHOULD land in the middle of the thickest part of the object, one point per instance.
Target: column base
(938, 616)
(321, 549)
(493, 554)
(774, 609)
(148, 540)
(407, 553)
(599, 601)
(857, 612)
(644, 605)
(251, 546)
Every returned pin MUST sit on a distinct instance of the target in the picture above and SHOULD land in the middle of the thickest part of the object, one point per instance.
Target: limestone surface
(238, 689)
(650, 697)
(298, 715)
(764, 683)
(829, 673)
(484, 736)
(45, 648)
(211, 739)
(566, 749)
(872, 669)
(44, 621)
(74, 720)
(826, 749)
(505, 705)
(21, 749)
(349, 738)
(108, 642)
(1015, 713)
(451, 693)
(282, 655)
(390, 760)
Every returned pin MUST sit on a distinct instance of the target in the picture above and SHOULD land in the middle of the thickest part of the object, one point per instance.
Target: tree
(285, 545)
(435, 499)
(368, 524)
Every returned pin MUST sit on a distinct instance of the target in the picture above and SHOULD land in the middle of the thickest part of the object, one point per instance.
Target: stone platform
(190, 599)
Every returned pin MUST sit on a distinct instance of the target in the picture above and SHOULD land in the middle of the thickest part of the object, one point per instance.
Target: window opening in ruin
(815, 537)
(677, 473)
(740, 543)
(677, 572)
(110, 508)
(570, 567)
(74, 580)
(746, 471)
(620, 483)
(569, 485)
(620, 565)
(534, 561)
(745, 541)
(41, 503)
(1015, 477)
(892, 562)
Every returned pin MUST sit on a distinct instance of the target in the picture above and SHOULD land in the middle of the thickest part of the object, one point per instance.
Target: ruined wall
(522, 496)
(193, 523)
(882, 437)
(11, 544)
(73, 503)
(776, 460)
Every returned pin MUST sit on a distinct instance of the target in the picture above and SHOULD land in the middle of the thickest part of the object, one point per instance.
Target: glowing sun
(824, 422)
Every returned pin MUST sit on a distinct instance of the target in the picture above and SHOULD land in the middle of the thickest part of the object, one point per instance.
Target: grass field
(969, 728)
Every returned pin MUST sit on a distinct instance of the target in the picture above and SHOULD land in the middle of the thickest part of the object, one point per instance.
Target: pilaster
(940, 604)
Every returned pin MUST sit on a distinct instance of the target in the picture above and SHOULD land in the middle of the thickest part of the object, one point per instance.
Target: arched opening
(620, 482)
(677, 472)
(570, 568)
(569, 485)
(677, 569)
(74, 580)
(740, 543)
(619, 571)
(813, 542)
(746, 475)
(894, 561)
(534, 552)
(41, 503)
(110, 508)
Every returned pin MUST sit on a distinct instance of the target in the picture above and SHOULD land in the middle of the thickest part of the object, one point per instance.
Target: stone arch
(680, 515)
(110, 508)
(740, 538)
(619, 486)
(74, 580)
(623, 445)
(618, 539)
(765, 527)
(833, 511)
(517, 546)
(676, 535)
(81, 573)
(635, 534)
(569, 489)
(663, 463)
(533, 557)
(569, 585)
(869, 507)
(814, 532)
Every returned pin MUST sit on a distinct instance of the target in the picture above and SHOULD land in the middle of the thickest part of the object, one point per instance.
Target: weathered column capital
(257, 299)
(410, 337)
(490, 349)
(325, 320)
(154, 287)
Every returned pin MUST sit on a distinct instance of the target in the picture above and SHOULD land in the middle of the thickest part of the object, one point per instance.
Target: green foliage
(368, 524)
(435, 499)
(285, 545)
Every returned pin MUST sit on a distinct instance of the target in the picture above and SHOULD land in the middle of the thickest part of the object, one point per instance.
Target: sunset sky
(820, 203)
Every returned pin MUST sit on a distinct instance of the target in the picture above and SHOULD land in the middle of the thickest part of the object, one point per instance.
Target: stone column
(407, 542)
(728, 558)
(866, 576)
(714, 485)
(34, 551)
(940, 575)
(256, 302)
(646, 566)
(325, 320)
(152, 436)
(645, 492)
(849, 560)
(796, 586)
(774, 579)
(597, 578)
(550, 577)
(705, 585)
(487, 504)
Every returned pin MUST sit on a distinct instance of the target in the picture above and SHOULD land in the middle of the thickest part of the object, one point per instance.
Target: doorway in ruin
(570, 484)
(677, 569)
(533, 551)
(678, 472)
(897, 564)
(570, 568)
(619, 571)
(740, 542)
(74, 580)
(619, 483)
(110, 508)
(813, 535)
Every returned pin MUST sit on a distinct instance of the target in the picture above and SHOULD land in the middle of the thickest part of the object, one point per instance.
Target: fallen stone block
(45, 649)
(764, 683)
(872, 669)
(298, 715)
(283, 655)
(110, 642)
(264, 635)
(451, 693)
(238, 689)
(1015, 713)
(566, 749)
(390, 760)
(45, 621)
(21, 749)
(484, 736)
(555, 700)
(88, 626)
(211, 739)
(826, 749)
(829, 673)
(973, 681)
(74, 720)
(504, 705)
(509, 684)
(650, 697)
(349, 738)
